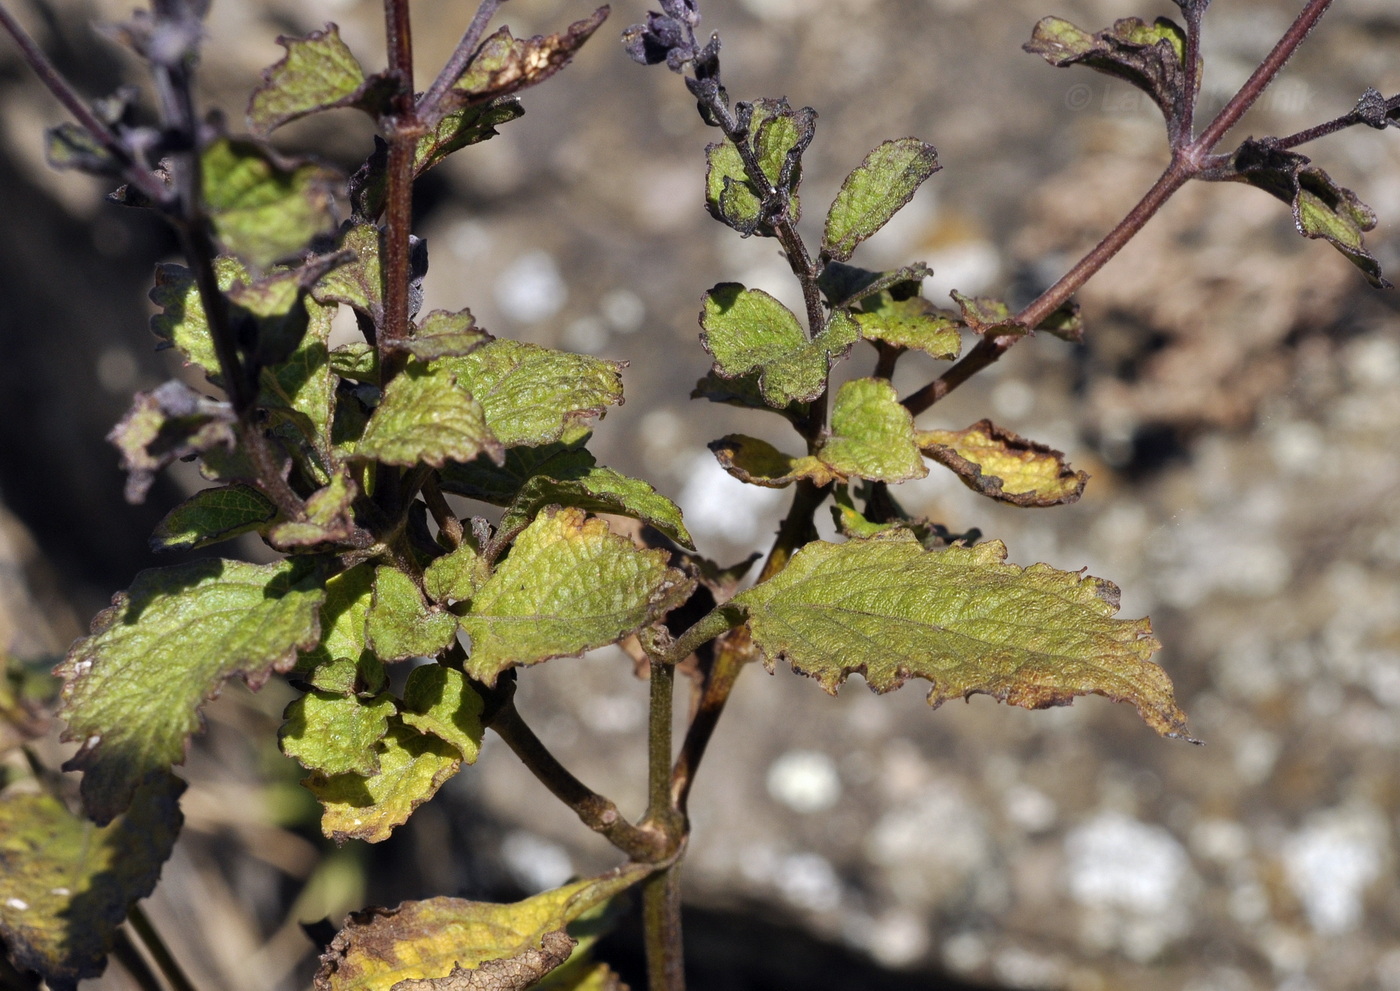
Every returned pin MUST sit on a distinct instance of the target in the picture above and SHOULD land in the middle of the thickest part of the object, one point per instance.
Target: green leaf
(401, 623)
(877, 190)
(962, 619)
(66, 886)
(872, 435)
(1321, 208)
(597, 490)
(445, 335)
(181, 322)
(438, 700)
(342, 662)
(134, 687)
(428, 416)
(569, 585)
(533, 395)
(412, 767)
(299, 394)
(318, 73)
(487, 481)
(747, 330)
(356, 361)
(334, 733)
(165, 425)
(455, 577)
(743, 391)
(328, 516)
(758, 462)
(1148, 56)
(263, 209)
(360, 284)
(731, 195)
(910, 323)
(1001, 465)
(420, 940)
(505, 64)
(212, 515)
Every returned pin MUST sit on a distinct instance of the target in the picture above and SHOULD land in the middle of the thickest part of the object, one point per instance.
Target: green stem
(150, 938)
(661, 920)
(660, 813)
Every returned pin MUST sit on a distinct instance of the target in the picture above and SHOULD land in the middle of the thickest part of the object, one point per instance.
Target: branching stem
(429, 104)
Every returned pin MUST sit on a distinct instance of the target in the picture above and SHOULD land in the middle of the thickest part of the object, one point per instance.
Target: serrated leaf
(1321, 208)
(212, 515)
(872, 194)
(1064, 323)
(962, 619)
(360, 284)
(758, 462)
(181, 322)
(439, 701)
(420, 940)
(533, 395)
(342, 662)
(505, 64)
(597, 490)
(455, 577)
(356, 361)
(335, 733)
(134, 687)
(263, 209)
(731, 196)
(910, 323)
(428, 416)
(747, 330)
(401, 623)
(441, 334)
(164, 425)
(872, 435)
(328, 516)
(319, 72)
(1148, 56)
(412, 767)
(486, 481)
(1001, 465)
(299, 394)
(569, 585)
(66, 885)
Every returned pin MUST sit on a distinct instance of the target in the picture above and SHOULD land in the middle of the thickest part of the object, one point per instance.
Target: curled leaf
(264, 208)
(164, 425)
(212, 515)
(758, 462)
(871, 195)
(999, 464)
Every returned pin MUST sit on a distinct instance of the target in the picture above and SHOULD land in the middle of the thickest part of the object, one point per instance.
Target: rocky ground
(1234, 400)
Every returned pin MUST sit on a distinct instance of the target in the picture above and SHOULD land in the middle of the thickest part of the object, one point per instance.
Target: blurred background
(1235, 401)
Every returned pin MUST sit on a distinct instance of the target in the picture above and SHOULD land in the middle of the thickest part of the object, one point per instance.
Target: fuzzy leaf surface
(400, 623)
(334, 733)
(758, 462)
(747, 330)
(438, 700)
(380, 947)
(319, 72)
(264, 209)
(133, 688)
(731, 196)
(412, 767)
(360, 284)
(910, 323)
(533, 395)
(569, 585)
(299, 392)
(597, 490)
(212, 515)
(441, 334)
(962, 619)
(328, 516)
(342, 662)
(455, 577)
(428, 417)
(1001, 465)
(878, 189)
(872, 435)
(1321, 208)
(66, 885)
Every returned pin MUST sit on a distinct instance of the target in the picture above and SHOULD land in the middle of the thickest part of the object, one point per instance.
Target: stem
(1254, 86)
(596, 812)
(447, 521)
(661, 920)
(660, 811)
(1184, 125)
(714, 624)
(403, 133)
(136, 966)
(133, 172)
(150, 938)
(462, 56)
(1320, 131)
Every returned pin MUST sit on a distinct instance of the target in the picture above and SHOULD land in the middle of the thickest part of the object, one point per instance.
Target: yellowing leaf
(569, 585)
(910, 323)
(962, 619)
(133, 688)
(997, 463)
(412, 767)
(428, 939)
(598, 490)
(872, 435)
(66, 885)
(758, 462)
(428, 417)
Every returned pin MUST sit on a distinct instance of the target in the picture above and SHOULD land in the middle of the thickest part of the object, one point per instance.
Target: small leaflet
(758, 462)
(319, 72)
(264, 209)
(342, 662)
(455, 577)
(872, 435)
(441, 334)
(328, 516)
(181, 322)
(334, 733)
(910, 323)
(962, 619)
(401, 623)
(997, 463)
(360, 284)
(779, 135)
(427, 417)
(423, 940)
(213, 515)
(872, 194)
(986, 316)
(164, 425)
(439, 701)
